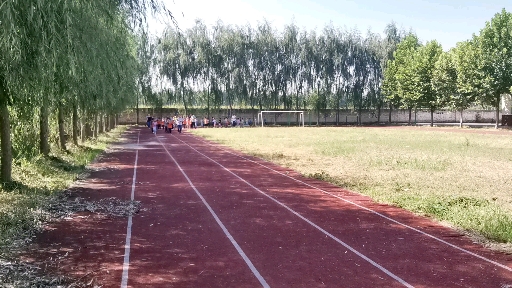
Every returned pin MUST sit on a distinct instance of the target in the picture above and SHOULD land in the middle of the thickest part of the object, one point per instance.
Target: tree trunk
(5, 137)
(107, 123)
(183, 96)
(112, 122)
(137, 108)
(390, 112)
(62, 133)
(338, 114)
(378, 113)
(461, 120)
(95, 131)
(88, 131)
(208, 101)
(497, 112)
(44, 131)
(75, 124)
(360, 114)
(82, 131)
(431, 117)
(101, 126)
(410, 115)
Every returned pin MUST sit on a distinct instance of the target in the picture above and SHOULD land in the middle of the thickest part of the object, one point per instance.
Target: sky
(448, 21)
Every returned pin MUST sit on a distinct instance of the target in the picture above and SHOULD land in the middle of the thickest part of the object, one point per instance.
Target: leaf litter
(15, 273)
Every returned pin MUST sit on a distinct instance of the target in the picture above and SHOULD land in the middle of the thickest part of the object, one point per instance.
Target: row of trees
(261, 67)
(478, 70)
(66, 61)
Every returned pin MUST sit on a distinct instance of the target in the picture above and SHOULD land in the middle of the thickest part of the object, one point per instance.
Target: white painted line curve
(372, 211)
(375, 264)
(126, 261)
(219, 222)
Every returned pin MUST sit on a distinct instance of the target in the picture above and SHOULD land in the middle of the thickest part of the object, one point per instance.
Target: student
(214, 122)
(169, 125)
(193, 121)
(180, 123)
(149, 120)
(155, 126)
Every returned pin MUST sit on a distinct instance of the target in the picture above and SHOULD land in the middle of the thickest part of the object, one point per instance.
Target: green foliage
(444, 81)
(477, 70)
(73, 57)
(495, 41)
(401, 80)
(428, 56)
(260, 67)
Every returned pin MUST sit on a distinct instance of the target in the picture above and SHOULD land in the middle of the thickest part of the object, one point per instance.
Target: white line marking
(224, 229)
(372, 211)
(389, 273)
(126, 263)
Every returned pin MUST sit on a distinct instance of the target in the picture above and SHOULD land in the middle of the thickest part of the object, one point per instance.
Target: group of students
(233, 122)
(168, 124)
(180, 122)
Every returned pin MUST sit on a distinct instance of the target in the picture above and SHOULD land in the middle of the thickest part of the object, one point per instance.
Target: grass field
(462, 179)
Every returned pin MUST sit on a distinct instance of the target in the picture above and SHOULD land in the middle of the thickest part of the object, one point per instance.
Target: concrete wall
(346, 117)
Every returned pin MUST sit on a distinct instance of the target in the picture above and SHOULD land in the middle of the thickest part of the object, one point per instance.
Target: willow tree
(177, 62)
(393, 36)
(145, 56)
(43, 61)
(291, 49)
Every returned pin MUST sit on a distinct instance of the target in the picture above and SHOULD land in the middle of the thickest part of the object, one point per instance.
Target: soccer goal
(261, 118)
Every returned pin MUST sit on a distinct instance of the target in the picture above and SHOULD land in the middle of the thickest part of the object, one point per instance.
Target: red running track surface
(213, 217)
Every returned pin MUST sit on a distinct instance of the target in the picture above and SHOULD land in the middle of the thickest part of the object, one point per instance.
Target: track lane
(288, 251)
(89, 246)
(176, 242)
(425, 261)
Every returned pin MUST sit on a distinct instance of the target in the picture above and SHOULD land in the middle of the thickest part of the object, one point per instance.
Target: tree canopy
(59, 60)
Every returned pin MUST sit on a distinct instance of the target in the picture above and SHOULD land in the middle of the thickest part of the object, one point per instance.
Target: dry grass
(464, 179)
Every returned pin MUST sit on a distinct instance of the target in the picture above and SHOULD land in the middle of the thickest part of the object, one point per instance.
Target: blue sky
(448, 21)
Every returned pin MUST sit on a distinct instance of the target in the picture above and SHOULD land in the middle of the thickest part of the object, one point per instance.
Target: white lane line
(224, 229)
(375, 264)
(126, 262)
(372, 211)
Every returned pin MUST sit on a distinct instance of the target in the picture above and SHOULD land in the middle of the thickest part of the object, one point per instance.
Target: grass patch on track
(460, 178)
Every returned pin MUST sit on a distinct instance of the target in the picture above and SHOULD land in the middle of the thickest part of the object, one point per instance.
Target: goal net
(263, 114)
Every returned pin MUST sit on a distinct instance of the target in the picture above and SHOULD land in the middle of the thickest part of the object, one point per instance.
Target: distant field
(464, 179)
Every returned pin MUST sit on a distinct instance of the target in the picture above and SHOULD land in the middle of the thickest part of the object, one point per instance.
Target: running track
(213, 217)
